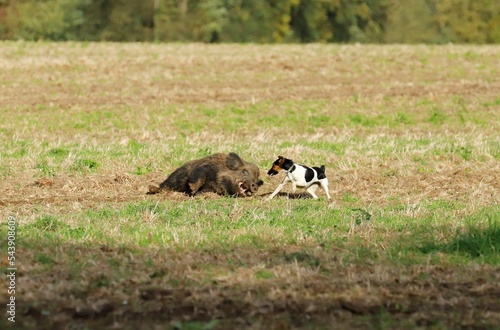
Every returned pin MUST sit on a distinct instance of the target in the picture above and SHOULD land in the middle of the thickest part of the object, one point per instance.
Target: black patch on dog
(309, 174)
(321, 172)
(287, 164)
(292, 168)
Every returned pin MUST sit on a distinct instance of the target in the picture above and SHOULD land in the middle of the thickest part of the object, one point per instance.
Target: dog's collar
(291, 169)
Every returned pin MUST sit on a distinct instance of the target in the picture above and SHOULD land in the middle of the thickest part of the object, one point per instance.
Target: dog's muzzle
(274, 170)
(271, 172)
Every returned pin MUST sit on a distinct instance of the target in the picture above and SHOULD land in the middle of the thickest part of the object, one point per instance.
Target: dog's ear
(234, 162)
(281, 159)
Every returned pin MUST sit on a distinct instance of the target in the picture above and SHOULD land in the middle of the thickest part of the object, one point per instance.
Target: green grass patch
(226, 223)
(58, 153)
(479, 240)
(85, 165)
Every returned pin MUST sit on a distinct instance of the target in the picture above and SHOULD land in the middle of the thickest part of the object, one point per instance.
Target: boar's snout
(249, 187)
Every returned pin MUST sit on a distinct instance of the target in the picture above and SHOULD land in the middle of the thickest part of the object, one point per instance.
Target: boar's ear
(233, 161)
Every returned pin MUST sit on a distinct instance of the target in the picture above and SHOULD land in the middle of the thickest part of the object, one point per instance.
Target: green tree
(263, 21)
(257, 21)
(50, 19)
(340, 20)
(412, 23)
(476, 21)
(129, 21)
(442, 21)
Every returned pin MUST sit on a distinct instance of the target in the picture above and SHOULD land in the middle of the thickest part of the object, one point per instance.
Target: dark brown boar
(224, 174)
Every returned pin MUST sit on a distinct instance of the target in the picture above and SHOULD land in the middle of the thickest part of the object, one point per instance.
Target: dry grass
(409, 135)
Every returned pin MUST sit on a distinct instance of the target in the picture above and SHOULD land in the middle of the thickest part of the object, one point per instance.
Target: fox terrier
(301, 176)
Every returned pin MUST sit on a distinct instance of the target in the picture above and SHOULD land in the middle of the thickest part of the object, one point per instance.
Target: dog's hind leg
(312, 190)
(324, 185)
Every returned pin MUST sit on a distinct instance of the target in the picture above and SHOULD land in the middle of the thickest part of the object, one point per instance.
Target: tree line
(260, 21)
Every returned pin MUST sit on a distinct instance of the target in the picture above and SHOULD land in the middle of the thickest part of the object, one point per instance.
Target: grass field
(409, 136)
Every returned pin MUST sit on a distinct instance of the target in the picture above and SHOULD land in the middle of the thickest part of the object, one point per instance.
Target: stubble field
(408, 134)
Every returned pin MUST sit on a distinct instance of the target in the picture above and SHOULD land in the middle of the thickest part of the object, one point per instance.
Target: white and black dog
(301, 176)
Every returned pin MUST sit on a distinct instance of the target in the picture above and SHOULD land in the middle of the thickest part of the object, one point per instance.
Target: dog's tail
(323, 168)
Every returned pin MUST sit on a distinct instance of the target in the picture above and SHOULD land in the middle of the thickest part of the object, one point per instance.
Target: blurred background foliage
(261, 21)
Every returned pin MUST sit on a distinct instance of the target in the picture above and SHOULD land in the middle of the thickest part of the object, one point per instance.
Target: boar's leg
(201, 178)
(229, 186)
(177, 181)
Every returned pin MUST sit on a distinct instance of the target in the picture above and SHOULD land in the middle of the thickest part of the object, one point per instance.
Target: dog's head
(280, 164)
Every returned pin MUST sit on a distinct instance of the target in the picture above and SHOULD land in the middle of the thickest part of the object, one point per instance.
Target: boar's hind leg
(201, 178)
(177, 180)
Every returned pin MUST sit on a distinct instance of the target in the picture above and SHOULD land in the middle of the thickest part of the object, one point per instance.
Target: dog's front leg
(281, 185)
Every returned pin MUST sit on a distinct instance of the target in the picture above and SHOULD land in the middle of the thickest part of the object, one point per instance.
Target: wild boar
(224, 174)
